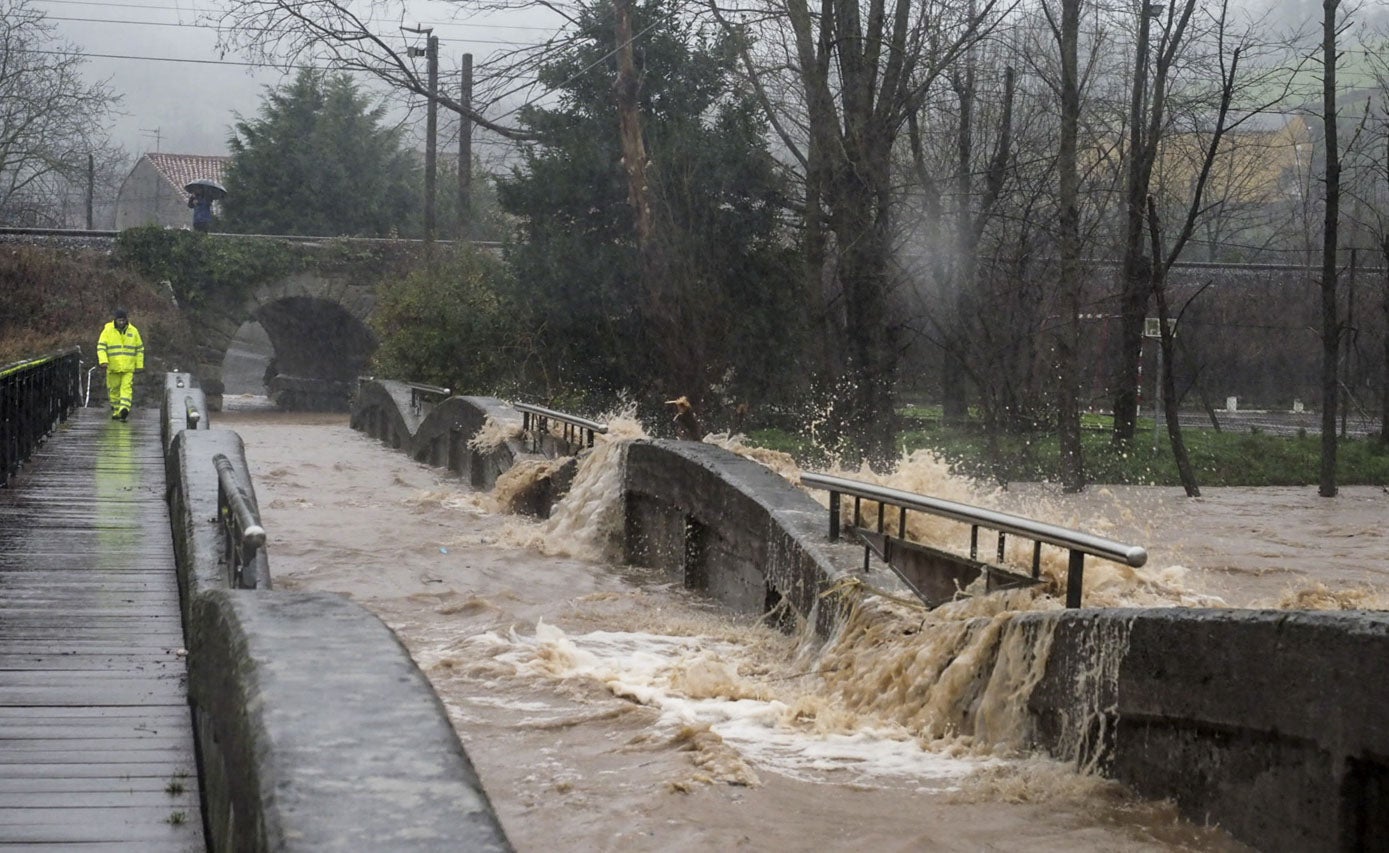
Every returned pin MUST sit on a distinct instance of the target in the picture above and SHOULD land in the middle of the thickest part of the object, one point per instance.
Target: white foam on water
(694, 684)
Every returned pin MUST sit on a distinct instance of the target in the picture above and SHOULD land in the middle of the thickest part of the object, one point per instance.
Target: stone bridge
(309, 326)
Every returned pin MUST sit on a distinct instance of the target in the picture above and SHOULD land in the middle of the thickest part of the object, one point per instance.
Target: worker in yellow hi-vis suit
(123, 352)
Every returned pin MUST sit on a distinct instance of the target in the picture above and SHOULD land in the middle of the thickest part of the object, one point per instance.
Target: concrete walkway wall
(1271, 724)
(316, 730)
(1268, 723)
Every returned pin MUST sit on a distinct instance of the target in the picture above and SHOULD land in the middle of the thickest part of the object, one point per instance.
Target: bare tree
(855, 74)
(1066, 31)
(51, 118)
(349, 37)
(1331, 322)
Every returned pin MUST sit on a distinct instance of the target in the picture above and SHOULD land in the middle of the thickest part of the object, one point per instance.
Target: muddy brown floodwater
(608, 709)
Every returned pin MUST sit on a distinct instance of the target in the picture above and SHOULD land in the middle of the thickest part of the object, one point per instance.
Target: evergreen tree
(318, 161)
(718, 199)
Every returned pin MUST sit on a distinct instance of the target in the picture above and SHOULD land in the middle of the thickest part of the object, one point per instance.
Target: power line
(473, 26)
(161, 59)
(214, 27)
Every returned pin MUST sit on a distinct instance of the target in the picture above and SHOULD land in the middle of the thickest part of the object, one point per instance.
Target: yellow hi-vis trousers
(120, 387)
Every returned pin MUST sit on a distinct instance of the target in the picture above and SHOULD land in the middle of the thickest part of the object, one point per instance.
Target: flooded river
(608, 709)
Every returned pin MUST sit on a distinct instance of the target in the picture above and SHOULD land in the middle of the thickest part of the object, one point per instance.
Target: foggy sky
(185, 107)
(189, 107)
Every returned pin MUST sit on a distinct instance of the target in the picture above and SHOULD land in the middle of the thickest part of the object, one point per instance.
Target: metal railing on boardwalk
(35, 395)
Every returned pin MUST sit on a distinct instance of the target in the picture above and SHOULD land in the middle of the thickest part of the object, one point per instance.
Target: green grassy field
(1226, 458)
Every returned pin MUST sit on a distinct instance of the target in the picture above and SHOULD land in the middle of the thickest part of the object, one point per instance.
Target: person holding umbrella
(202, 193)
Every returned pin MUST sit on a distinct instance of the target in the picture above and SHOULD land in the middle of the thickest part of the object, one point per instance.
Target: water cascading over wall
(1267, 723)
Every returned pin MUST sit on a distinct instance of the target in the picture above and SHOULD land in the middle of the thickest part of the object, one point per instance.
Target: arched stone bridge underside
(317, 330)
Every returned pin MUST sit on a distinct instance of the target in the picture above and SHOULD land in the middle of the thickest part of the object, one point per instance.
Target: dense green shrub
(198, 266)
(453, 324)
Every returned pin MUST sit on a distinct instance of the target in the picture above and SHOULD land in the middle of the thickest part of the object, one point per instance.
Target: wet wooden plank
(139, 824)
(96, 741)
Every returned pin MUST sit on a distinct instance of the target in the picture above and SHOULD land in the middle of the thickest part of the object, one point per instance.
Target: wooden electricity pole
(431, 54)
(465, 153)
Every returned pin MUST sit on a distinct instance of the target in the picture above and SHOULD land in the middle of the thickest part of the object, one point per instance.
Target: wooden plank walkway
(96, 739)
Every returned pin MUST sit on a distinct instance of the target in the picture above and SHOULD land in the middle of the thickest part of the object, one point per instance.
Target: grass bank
(60, 298)
(1225, 458)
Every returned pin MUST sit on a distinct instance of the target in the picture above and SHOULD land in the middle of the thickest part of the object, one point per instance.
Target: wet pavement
(96, 743)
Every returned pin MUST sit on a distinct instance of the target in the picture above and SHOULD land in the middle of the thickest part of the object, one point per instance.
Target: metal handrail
(190, 413)
(87, 396)
(35, 394)
(418, 390)
(242, 534)
(535, 420)
(1077, 543)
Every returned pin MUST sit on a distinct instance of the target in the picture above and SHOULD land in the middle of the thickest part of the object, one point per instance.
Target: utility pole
(91, 188)
(431, 54)
(465, 153)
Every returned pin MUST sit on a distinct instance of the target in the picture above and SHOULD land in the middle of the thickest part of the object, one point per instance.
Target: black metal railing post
(35, 395)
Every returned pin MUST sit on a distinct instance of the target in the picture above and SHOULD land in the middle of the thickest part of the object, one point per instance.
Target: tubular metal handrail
(535, 420)
(1077, 543)
(242, 534)
(190, 413)
(87, 396)
(419, 391)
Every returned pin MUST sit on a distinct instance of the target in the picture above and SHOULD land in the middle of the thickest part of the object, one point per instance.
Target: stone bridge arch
(316, 325)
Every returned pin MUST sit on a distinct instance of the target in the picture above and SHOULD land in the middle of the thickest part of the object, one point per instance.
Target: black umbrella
(207, 187)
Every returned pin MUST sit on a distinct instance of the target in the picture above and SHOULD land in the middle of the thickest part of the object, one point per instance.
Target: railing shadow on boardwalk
(291, 755)
(1267, 723)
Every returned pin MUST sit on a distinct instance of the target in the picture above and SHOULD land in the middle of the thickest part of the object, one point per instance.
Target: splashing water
(1316, 596)
(732, 713)
(587, 523)
(493, 435)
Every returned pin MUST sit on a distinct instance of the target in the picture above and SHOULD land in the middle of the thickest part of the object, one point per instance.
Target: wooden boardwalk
(96, 741)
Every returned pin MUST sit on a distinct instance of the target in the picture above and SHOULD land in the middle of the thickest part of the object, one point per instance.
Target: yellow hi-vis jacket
(121, 353)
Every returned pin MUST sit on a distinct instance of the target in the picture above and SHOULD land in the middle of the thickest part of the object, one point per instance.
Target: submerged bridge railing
(35, 395)
(535, 422)
(1079, 544)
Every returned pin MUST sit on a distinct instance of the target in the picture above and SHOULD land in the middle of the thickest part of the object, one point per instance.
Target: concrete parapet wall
(443, 437)
(179, 394)
(734, 529)
(315, 729)
(439, 434)
(326, 736)
(1268, 723)
(192, 483)
(381, 409)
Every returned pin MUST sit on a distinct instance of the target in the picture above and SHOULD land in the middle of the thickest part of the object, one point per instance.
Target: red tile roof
(179, 169)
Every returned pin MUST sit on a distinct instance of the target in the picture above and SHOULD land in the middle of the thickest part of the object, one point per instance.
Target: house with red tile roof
(153, 193)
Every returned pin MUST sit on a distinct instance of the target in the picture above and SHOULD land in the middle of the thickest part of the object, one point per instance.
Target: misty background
(181, 94)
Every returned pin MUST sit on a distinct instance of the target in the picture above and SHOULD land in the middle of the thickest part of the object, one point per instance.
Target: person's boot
(125, 414)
